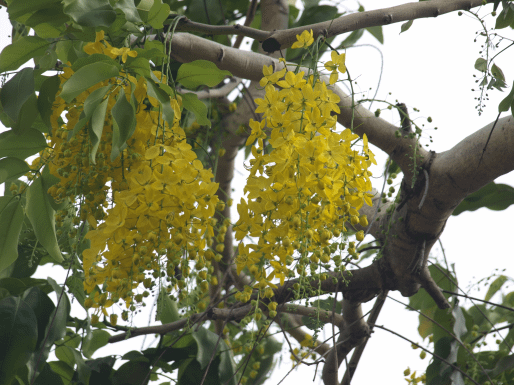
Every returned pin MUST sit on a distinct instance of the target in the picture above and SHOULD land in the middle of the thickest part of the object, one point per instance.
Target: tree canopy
(124, 121)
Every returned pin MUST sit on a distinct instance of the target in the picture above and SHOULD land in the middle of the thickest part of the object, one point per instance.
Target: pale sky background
(430, 67)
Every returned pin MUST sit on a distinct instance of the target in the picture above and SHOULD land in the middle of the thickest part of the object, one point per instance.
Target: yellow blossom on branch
(303, 40)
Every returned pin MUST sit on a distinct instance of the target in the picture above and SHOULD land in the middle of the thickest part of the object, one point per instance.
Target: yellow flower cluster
(150, 209)
(305, 185)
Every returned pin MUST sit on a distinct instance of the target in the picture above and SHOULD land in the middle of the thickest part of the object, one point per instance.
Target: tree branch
(359, 20)
(456, 173)
(284, 38)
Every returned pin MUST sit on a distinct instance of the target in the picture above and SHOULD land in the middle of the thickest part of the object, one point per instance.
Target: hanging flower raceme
(305, 185)
(148, 201)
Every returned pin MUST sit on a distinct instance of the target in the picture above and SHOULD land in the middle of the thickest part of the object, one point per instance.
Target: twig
(357, 353)
(250, 14)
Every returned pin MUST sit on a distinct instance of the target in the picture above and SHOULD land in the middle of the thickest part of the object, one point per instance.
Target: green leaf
(42, 306)
(57, 329)
(129, 9)
(155, 91)
(11, 219)
(131, 373)
(154, 51)
(406, 26)
(505, 18)
(227, 366)
(167, 310)
(46, 98)
(17, 286)
(52, 15)
(377, 33)
(197, 107)
(48, 376)
(317, 14)
(94, 58)
(19, 100)
(139, 66)
(20, 8)
(41, 216)
(352, 38)
(124, 124)
(200, 72)
(12, 168)
(84, 371)
(64, 354)
(497, 72)
(63, 370)
(504, 364)
(21, 51)
(96, 128)
(18, 336)
(91, 104)
(48, 60)
(506, 103)
(206, 341)
(495, 286)
(492, 196)
(157, 14)
(16, 92)
(90, 13)
(94, 341)
(86, 77)
(190, 372)
(76, 287)
(481, 64)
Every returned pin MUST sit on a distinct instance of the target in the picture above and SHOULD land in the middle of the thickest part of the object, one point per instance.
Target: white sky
(429, 67)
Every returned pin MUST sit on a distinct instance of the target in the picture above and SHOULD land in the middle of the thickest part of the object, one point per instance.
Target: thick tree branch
(318, 314)
(357, 353)
(354, 330)
(285, 38)
(456, 173)
(355, 21)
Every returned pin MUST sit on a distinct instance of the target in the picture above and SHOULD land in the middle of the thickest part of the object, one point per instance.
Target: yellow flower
(303, 40)
(269, 76)
(123, 52)
(336, 64)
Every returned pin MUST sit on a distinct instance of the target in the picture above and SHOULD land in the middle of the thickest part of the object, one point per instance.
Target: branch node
(388, 19)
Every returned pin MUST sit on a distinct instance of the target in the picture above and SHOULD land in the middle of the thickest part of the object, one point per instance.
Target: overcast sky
(430, 67)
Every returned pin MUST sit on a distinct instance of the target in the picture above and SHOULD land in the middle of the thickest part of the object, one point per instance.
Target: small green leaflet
(123, 124)
(21, 51)
(481, 64)
(86, 77)
(200, 72)
(492, 196)
(196, 106)
(12, 168)
(11, 218)
(41, 216)
(21, 146)
(406, 26)
(90, 13)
